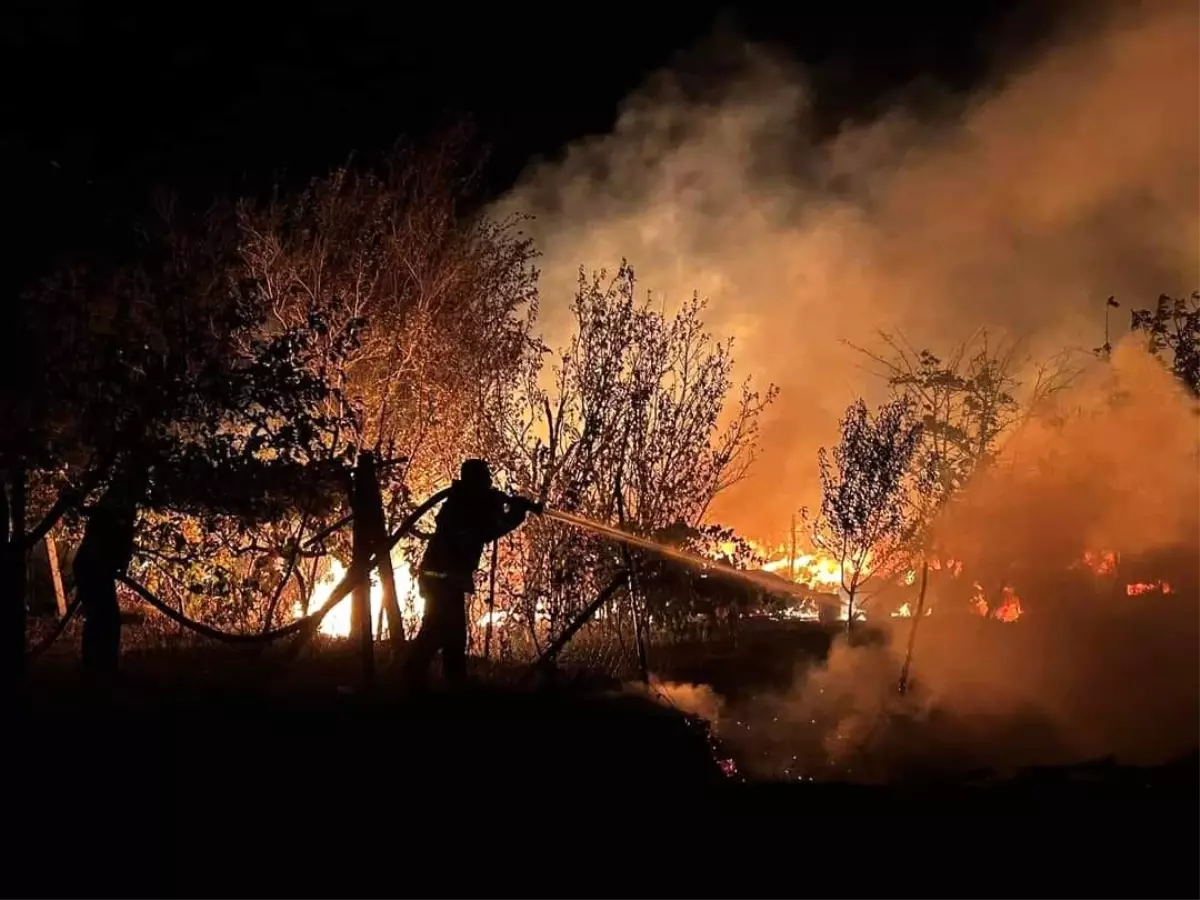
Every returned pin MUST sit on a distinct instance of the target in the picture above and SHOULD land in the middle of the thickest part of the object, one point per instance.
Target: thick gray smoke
(1068, 179)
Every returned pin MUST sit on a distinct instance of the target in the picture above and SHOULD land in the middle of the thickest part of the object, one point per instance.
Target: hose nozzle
(529, 505)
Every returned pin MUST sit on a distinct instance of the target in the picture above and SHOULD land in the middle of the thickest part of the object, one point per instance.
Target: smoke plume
(1089, 671)
(1069, 177)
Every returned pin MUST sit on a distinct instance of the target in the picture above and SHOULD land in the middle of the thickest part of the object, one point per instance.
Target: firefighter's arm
(510, 513)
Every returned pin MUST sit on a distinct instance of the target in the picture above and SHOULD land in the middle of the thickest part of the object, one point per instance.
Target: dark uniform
(106, 551)
(472, 516)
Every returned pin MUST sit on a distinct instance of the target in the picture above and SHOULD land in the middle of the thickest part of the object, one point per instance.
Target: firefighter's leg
(429, 638)
(101, 625)
(454, 639)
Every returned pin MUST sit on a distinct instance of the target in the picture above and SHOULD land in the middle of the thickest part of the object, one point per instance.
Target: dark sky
(216, 98)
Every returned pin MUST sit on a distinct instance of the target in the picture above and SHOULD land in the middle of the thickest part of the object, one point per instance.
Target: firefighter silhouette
(473, 514)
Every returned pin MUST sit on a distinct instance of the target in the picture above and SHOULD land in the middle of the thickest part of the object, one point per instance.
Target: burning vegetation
(243, 419)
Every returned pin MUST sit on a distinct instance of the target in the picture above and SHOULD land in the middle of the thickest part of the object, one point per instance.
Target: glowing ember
(1101, 562)
(1156, 587)
(979, 600)
(1010, 608)
(905, 612)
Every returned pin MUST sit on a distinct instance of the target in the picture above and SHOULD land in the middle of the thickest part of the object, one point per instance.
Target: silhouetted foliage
(680, 595)
(441, 302)
(445, 301)
(870, 492)
(174, 363)
(968, 400)
(1173, 329)
(636, 430)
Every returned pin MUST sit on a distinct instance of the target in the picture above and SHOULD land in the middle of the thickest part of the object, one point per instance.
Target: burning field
(952, 378)
(1060, 617)
(1074, 653)
(1059, 599)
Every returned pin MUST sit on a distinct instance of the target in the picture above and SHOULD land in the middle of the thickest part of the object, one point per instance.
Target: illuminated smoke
(1069, 177)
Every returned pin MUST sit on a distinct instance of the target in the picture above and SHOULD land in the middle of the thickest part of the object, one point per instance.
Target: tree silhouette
(968, 399)
(637, 428)
(443, 302)
(1173, 329)
(870, 493)
(171, 366)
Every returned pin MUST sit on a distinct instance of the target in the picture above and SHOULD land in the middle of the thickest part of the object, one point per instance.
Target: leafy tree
(968, 400)
(635, 428)
(871, 493)
(1173, 329)
(176, 368)
(443, 301)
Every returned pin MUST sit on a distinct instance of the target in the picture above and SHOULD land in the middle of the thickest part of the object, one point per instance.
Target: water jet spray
(761, 579)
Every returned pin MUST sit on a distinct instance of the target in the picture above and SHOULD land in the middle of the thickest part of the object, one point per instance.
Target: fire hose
(308, 625)
(358, 571)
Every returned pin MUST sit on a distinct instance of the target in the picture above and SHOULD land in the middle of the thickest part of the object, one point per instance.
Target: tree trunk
(12, 589)
(491, 607)
(639, 635)
(912, 631)
(849, 613)
(360, 608)
(367, 506)
(101, 645)
(391, 602)
(360, 597)
(60, 596)
(792, 552)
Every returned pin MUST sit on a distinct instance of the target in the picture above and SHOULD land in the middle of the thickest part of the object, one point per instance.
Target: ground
(192, 724)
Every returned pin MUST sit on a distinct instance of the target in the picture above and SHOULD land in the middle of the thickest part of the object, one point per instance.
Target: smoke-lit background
(1071, 175)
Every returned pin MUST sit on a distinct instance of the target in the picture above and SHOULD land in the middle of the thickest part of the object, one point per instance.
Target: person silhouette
(105, 552)
(473, 514)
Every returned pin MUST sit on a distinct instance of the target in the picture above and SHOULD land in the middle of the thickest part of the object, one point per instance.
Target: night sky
(102, 105)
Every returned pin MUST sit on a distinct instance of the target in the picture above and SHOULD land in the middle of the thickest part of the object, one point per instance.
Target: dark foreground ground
(310, 753)
(165, 745)
(185, 783)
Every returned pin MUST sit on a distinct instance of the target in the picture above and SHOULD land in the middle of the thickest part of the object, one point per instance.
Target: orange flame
(1140, 588)
(1010, 607)
(1101, 562)
(1008, 610)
